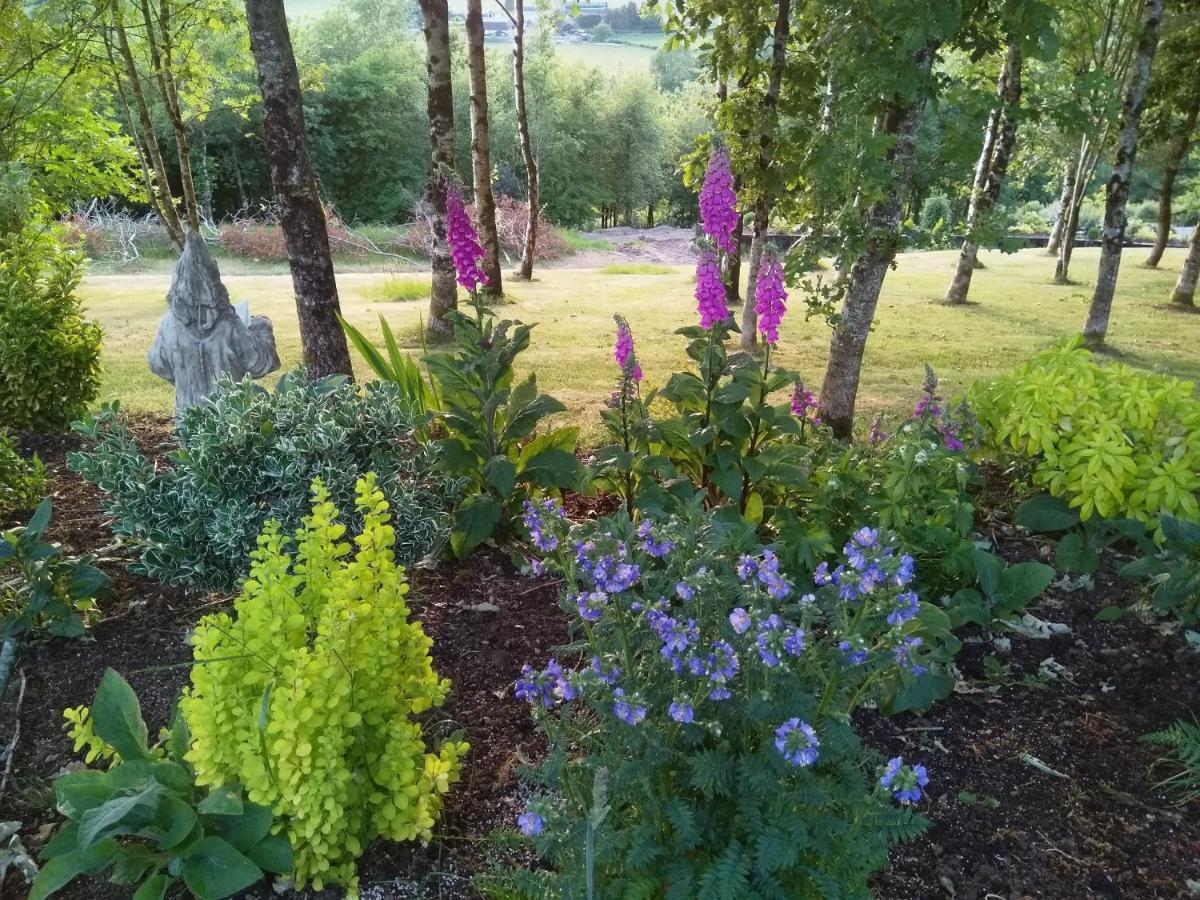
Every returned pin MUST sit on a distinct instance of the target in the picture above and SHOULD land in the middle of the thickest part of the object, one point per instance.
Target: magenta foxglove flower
(464, 241)
(804, 404)
(623, 351)
(718, 202)
(770, 297)
(710, 291)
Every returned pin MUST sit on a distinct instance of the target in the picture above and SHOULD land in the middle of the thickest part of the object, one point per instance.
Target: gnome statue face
(201, 337)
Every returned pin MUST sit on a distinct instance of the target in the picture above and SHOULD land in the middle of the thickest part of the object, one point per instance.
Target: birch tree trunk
(840, 388)
(301, 213)
(1064, 201)
(762, 203)
(159, 42)
(443, 295)
(481, 148)
(1185, 288)
(1117, 194)
(525, 272)
(1000, 139)
(162, 185)
(1085, 167)
(1176, 154)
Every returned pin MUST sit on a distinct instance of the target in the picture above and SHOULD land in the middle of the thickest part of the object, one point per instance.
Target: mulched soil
(1003, 827)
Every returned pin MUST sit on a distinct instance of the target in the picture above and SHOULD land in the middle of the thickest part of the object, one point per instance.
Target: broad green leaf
(120, 815)
(552, 468)
(60, 870)
(1073, 555)
(273, 854)
(501, 473)
(1045, 513)
(154, 887)
(474, 523)
(117, 717)
(1023, 582)
(214, 869)
(223, 802)
(1110, 614)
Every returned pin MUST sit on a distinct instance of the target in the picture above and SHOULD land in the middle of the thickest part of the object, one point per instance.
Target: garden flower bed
(1039, 782)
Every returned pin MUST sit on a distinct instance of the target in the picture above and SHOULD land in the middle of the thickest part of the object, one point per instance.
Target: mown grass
(1016, 310)
(400, 289)
(636, 268)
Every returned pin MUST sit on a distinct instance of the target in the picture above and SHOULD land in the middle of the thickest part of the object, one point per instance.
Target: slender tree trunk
(1064, 201)
(1117, 194)
(1086, 166)
(481, 148)
(301, 213)
(840, 388)
(762, 202)
(170, 214)
(243, 200)
(531, 166)
(158, 40)
(1176, 154)
(1000, 139)
(762, 215)
(443, 296)
(731, 263)
(1185, 288)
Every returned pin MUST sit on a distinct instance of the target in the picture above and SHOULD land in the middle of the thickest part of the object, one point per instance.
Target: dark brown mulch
(1002, 827)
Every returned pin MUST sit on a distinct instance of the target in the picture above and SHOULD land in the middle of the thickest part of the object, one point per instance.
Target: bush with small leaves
(249, 455)
(22, 481)
(308, 697)
(49, 354)
(1110, 441)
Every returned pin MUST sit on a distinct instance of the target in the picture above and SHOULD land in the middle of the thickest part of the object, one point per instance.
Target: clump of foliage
(1108, 440)
(490, 420)
(1173, 570)
(40, 587)
(704, 749)
(249, 455)
(144, 817)
(49, 354)
(22, 481)
(307, 698)
(1182, 741)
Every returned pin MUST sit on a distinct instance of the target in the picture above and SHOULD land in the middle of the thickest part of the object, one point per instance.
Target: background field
(1016, 311)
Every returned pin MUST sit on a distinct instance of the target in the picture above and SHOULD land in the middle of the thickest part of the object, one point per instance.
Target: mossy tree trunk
(302, 216)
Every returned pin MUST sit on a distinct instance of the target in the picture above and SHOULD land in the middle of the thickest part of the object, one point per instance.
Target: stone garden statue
(202, 337)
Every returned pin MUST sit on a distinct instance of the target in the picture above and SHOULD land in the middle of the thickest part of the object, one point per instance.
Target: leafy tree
(55, 114)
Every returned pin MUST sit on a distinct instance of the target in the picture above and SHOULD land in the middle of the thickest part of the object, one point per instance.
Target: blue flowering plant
(710, 695)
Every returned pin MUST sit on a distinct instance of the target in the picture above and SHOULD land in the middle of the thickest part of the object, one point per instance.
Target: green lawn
(1016, 311)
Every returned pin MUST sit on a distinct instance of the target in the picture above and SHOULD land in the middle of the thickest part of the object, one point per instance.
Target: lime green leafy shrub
(308, 696)
(49, 354)
(22, 481)
(1109, 440)
(143, 815)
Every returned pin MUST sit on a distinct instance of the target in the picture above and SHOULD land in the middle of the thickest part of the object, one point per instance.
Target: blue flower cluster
(765, 569)
(535, 519)
(654, 545)
(549, 687)
(627, 710)
(905, 782)
(869, 567)
(797, 742)
(609, 572)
